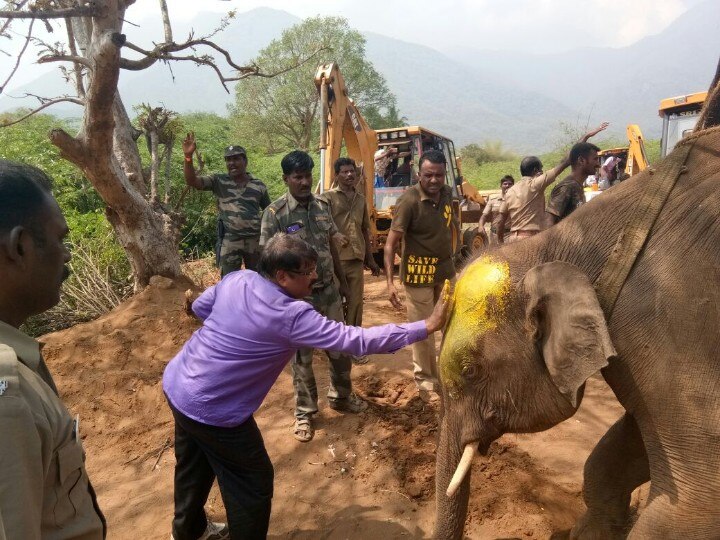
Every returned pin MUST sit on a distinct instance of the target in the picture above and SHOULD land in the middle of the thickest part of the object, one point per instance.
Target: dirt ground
(363, 476)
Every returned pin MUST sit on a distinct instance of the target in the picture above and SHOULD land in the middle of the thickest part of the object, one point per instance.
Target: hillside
(623, 85)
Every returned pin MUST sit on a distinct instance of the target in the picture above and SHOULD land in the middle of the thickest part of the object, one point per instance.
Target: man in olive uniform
(44, 487)
(423, 220)
(350, 214)
(241, 199)
(568, 195)
(298, 212)
(491, 213)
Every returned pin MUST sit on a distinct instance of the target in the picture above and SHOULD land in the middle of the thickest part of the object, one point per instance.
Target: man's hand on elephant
(394, 297)
(437, 319)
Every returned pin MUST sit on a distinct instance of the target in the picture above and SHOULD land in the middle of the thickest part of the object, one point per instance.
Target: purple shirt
(251, 329)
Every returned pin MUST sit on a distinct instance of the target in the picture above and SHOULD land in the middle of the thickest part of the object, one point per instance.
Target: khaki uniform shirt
(350, 214)
(492, 211)
(566, 197)
(313, 224)
(239, 208)
(525, 203)
(429, 233)
(45, 492)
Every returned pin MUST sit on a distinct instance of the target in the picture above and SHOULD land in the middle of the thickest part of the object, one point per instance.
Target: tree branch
(6, 24)
(98, 121)
(164, 50)
(19, 57)
(167, 28)
(77, 67)
(65, 58)
(45, 105)
(44, 14)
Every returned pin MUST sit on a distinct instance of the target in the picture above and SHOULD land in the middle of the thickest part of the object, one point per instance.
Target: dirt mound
(363, 476)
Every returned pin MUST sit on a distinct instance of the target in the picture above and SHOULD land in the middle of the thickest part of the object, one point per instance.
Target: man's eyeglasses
(299, 273)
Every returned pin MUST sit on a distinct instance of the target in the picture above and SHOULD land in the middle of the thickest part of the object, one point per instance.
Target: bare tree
(105, 148)
(160, 127)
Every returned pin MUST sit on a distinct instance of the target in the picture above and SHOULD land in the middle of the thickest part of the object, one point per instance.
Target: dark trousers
(237, 457)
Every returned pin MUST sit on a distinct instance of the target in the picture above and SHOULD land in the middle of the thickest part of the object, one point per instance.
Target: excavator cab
(343, 129)
(402, 172)
(679, 114)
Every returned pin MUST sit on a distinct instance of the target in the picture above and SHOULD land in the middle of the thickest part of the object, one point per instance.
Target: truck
(342, 123)
(679, 115)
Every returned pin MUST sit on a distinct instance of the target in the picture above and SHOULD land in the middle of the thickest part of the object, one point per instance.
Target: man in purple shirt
(253, 323)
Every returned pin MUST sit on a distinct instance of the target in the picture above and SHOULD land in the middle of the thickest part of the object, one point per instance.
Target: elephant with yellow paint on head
(527, 330)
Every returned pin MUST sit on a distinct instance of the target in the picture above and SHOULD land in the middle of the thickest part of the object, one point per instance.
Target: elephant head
(515, 358)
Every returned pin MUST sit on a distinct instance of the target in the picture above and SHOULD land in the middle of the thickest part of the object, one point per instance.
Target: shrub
(99, 279)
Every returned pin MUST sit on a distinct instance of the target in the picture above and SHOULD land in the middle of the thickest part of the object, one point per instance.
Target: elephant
(528, 326)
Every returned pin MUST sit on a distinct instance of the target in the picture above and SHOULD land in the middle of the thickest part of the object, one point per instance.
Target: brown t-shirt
(350, 214)
(565, 198)
(430, 232)
(525, 202)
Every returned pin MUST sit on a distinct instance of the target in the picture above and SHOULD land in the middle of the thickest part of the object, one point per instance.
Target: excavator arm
(340, 121)
(637, 158)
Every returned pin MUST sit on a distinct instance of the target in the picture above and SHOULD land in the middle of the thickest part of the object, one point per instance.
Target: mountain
(470, 96)
(622, 85)
(441, 94)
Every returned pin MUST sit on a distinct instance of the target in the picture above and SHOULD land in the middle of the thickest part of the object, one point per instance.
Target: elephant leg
(684, 498)
(616, 466)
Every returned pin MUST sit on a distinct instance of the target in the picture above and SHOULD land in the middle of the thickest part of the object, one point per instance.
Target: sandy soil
(363, 476)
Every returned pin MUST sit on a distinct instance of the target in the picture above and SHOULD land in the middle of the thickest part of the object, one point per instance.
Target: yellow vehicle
(633, 158)
(411, 142)
(341, 122)
(679, 114)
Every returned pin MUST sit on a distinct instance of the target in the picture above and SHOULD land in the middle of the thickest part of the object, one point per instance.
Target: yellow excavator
(679, 114)
(631, 158)
(341, 122)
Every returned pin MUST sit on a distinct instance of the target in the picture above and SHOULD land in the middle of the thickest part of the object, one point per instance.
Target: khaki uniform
(317, 230)
(430, 232)
(492, 213)
(350, 214)
(566, 197)
(45, 492)
(239, 210)
(525, 205)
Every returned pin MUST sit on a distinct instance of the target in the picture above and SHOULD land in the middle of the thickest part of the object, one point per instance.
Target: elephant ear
(565, 319)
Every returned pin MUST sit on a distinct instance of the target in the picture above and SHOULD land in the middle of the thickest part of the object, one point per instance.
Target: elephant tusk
(462, 469)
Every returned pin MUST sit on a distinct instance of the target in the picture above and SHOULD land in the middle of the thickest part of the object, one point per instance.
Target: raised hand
(595, 131)
(188, 145)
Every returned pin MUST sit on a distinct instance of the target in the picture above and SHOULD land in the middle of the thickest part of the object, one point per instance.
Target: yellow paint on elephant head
(478, 302)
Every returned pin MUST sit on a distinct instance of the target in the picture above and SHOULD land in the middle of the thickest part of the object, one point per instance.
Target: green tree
(489, 152)
(282, 112)
(104, 147)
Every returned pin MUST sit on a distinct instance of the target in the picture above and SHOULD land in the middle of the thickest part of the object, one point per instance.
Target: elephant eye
(469, 370)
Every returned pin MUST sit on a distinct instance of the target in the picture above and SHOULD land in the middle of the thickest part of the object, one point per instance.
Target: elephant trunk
(450, 510)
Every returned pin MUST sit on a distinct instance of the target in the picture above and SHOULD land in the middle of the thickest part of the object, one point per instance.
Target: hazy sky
(541, 26)
(537, 25)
